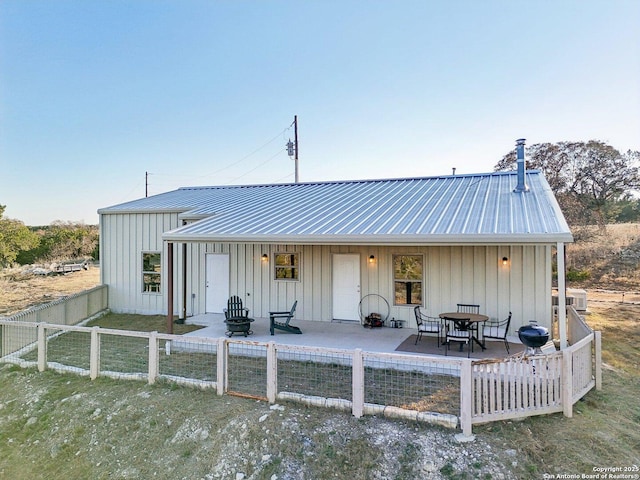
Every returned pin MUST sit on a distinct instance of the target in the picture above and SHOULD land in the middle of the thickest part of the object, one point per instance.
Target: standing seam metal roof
(459, 209)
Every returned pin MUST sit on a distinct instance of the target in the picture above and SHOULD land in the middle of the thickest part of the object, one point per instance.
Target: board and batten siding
(123, 239)
(457, 274)
(452, 274)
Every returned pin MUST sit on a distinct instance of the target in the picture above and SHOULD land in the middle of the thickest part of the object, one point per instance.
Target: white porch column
(562, 296)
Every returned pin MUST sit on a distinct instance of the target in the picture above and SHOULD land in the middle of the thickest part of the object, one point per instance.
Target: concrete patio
(347, 336)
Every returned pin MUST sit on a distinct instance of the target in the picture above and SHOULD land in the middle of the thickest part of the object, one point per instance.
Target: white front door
(217, 287)
(346, 286)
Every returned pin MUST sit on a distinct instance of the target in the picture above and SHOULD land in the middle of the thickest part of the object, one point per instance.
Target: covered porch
(350, 336)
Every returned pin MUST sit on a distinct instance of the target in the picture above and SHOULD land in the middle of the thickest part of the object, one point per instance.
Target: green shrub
(577, 275)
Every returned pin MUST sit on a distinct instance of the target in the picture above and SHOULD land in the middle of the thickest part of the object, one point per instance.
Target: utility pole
(295, 133)
(146, 184)
(292, 147)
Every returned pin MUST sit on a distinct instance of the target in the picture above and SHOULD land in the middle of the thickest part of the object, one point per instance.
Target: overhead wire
(248, 155)
(258, 166)
(270, 141)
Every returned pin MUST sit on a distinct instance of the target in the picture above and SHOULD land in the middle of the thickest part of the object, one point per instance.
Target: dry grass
(604, 429)
(611, 257)
(19, 290)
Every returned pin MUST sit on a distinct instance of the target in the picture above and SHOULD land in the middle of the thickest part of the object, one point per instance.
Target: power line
(261, 147)
(258, 166)
(248, 155)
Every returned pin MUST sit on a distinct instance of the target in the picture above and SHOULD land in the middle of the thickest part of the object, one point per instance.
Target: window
(287, 266)
(407, 279)
(151, 266)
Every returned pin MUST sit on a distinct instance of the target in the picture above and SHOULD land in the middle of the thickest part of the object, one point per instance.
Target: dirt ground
(20, 289)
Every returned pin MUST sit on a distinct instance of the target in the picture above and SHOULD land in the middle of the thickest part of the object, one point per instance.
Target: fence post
(154, 358)
(567, 383)
(598, 359)
(272, 372)
(42, 348)
(466, 401)
(221, 370)
(357, 404)
(94, 353)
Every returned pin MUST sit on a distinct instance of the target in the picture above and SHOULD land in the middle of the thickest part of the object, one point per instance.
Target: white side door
(346, 286)
(217, 286)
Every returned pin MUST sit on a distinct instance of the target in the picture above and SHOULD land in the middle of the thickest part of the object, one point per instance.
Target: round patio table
(465, 321)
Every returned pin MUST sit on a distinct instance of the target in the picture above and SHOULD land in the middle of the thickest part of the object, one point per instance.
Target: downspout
(170, 287)
(183, 316)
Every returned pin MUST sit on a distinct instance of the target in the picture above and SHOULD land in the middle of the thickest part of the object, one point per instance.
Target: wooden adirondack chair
(276, 320)
(237, 317)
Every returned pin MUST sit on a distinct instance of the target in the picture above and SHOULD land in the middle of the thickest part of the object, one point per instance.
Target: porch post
(170, 287)
(562, 296)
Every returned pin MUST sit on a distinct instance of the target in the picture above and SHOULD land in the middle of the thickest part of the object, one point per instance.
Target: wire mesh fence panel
(314, 373)
(18, 340)
(187, 359)
(412, 385)
(68, 348)
(124, 355)
(247, 369)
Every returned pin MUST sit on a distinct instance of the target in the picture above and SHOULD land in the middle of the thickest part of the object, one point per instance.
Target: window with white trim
(151, 272)
(287, 266)
(407, 279)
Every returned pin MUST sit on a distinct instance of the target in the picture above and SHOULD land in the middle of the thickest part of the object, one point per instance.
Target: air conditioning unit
(580, 298)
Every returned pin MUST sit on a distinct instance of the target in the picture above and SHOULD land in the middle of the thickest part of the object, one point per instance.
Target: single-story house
(489, 239)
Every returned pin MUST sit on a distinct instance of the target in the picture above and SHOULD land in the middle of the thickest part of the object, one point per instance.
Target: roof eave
(176, 236)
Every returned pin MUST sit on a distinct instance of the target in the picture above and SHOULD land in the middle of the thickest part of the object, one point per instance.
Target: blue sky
(93, 94)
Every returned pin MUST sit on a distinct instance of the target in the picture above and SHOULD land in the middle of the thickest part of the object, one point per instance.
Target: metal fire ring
(363, 316)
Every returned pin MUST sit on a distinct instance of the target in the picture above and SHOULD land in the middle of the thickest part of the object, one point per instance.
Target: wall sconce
(372, 259)
(265, 258)
(505, 261)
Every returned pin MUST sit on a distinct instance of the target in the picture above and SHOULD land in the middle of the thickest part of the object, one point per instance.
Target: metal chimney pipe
(522, 184)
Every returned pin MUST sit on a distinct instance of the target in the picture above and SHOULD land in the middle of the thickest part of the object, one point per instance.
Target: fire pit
(533, 337)
(242, 326)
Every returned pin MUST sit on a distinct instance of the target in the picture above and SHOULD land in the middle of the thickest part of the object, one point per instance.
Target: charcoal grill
(533, 336)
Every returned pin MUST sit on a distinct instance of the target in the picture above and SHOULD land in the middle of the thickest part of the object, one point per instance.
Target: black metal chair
(458, 330)
(427, 324)
(275, 321)
(468, 308)
(497, 330)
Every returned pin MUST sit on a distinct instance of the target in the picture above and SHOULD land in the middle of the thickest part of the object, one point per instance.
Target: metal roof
(457, 209)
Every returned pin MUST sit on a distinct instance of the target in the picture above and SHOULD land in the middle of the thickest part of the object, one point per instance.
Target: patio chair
(497, 330)
(427, 324)
(237, 317)
(453, 333)
(280, 321)
(468, 308)
(235, 310)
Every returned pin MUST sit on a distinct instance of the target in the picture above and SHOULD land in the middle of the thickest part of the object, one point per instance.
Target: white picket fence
(454, 392)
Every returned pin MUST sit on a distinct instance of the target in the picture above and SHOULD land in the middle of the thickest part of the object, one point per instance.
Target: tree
(63, 241)
(14, 237)
(587, 178)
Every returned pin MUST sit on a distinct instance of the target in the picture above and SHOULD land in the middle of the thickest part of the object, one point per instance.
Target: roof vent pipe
(522, 185)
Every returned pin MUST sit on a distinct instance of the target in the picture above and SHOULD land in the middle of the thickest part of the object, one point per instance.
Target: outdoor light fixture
(265, 257)
(372, 259)
(505, 260)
